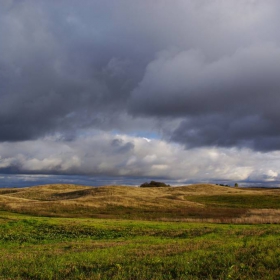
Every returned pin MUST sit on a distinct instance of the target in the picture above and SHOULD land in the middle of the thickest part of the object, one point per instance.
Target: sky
(184, 91)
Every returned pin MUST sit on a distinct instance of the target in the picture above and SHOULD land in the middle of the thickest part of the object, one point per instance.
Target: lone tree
(236, 185)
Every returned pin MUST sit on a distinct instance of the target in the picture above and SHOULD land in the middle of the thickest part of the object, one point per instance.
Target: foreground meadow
(105, 239)
(67, 248)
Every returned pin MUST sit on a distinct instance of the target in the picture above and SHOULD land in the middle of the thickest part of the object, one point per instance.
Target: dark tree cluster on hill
(154, 184)
(223, 185)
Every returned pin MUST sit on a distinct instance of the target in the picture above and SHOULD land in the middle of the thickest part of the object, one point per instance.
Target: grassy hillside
(51, 232)
(201, 202)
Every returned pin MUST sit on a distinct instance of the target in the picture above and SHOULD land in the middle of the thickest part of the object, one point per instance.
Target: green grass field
(67, 248)
(37, 246)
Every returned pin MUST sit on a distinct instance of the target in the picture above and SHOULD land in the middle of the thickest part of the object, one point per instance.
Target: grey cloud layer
(211, 67)
(229, 102)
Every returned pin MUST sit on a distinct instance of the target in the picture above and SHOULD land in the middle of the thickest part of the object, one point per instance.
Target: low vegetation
(190, 232)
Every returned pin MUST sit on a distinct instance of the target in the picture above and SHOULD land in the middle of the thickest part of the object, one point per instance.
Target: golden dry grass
(172, 203)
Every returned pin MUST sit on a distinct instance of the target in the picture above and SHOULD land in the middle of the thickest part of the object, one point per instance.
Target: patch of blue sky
(149, 135)
(114, 132)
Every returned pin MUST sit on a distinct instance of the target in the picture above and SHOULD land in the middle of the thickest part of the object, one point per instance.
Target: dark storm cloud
(229, 102)
(59, 70)
(229, 131)
(211, 66)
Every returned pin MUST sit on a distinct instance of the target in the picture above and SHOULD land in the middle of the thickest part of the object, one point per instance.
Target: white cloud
(109, 154)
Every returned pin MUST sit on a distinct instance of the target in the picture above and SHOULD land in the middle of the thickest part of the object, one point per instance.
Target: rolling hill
(189, 203)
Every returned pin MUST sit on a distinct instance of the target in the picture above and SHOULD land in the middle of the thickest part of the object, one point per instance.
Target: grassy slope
(36, 247)
(195, 202)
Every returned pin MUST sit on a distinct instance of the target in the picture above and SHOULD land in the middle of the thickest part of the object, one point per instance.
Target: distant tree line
(225, 185)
